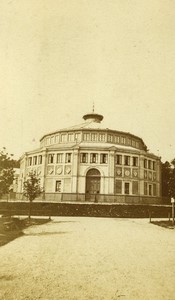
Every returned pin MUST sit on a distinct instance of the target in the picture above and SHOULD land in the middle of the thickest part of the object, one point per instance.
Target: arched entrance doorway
(93, 179)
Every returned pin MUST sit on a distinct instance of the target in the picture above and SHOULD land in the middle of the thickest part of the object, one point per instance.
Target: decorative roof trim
(95, 117)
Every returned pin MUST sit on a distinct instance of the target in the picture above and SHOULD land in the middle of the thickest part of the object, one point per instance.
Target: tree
(32, 189)
(166, 167)
(171, 182)
(6, 171)
(168, 179)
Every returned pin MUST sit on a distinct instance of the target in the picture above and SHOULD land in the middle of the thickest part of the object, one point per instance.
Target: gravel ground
(90, 258)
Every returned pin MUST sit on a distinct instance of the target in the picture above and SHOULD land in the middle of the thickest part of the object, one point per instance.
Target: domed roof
(93, 122)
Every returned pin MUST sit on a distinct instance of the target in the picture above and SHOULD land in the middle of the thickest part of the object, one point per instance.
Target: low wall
(84, 209)
(100, 198)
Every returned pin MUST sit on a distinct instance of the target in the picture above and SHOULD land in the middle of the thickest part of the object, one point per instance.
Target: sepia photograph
(87, 149)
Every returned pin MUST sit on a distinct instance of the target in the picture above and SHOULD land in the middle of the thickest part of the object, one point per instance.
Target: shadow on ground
(165, 224)
(12, 228)
(47, 233)
(58, 222)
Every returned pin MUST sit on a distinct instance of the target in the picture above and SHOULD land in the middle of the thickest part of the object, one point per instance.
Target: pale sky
(57, 57)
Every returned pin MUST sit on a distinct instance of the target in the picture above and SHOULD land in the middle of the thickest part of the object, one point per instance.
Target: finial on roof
(93, 116)
(93, 107)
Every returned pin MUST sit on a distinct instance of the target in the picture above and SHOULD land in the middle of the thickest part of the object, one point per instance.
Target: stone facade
(90, 160)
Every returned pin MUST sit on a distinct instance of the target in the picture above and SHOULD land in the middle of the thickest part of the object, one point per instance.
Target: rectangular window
(86, 136)
(77, 136)
(102, 137)
(127, 188)
(94, 137)
(150, 189)
(145, 188)
(154, 165)
(70, 137)
(110, 138)
(40, 159)
(68, 157)
(149, 164)
(145, 163)
(129, 142)
(63, 138)
(83, 157)
(135, 161)
(47, 141)
(52, 140)
(103, 158)
(93, 158)
(56, 138)
(133, 143)
(135, 187)
(137, 144)
(123, 140)
(118, 159)
(29, 161)
(116, 139)
(59, 157)
(58, 186)
(51, 158)
(118, 187)
(127, 160)
(35, 160)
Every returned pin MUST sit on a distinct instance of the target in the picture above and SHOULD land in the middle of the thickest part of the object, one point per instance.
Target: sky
(58, 57)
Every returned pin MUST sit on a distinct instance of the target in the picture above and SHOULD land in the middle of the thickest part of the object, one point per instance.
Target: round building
(90, 163)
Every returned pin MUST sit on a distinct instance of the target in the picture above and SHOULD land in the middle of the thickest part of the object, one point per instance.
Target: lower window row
(132, 188)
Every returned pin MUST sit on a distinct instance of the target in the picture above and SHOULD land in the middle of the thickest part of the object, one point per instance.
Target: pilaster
(75, 170)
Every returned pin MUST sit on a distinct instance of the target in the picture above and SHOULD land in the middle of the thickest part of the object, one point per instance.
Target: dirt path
(90, 258)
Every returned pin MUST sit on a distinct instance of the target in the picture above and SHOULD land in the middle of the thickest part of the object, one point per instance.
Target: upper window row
(59, 158)
(94, 158)
(63, 138)
(127, 160)
(110, 138)
(52, 158)
(67, 158)
(84, 158)
(35, 160)
(149, 164)
(90, 136)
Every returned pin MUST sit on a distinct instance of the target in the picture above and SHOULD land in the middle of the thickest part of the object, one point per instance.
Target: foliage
(165, 178)
(6, 171)
(168, 179)
(171, 181)
(32, 187)
(15, 163)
